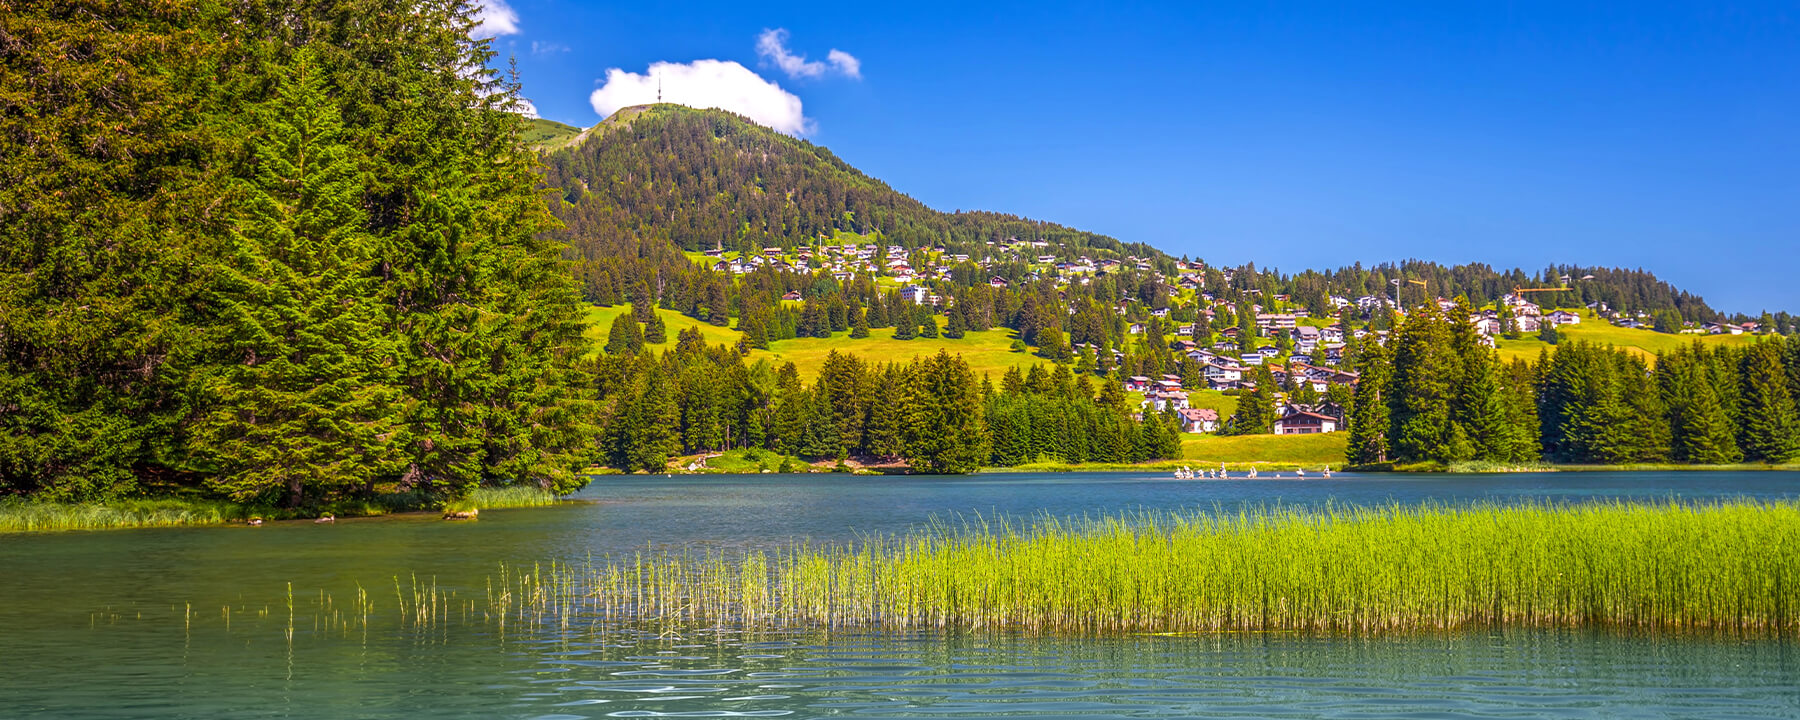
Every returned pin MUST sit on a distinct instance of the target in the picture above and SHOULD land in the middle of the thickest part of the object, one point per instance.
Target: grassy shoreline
(27, 516)
(1476, 468)
(1726, 567)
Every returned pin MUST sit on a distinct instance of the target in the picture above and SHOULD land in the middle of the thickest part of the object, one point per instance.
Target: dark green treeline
(1434, 394)
(277, 252)
(932, 412)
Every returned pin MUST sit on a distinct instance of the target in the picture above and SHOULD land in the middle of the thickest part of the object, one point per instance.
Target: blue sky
(1294, 135)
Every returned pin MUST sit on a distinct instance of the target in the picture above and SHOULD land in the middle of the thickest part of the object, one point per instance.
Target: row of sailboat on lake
(1186, 473)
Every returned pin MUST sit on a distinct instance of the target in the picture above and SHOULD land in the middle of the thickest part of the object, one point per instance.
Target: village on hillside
(1298, 348)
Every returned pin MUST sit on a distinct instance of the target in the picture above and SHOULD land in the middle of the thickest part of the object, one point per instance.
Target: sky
(1292, 135)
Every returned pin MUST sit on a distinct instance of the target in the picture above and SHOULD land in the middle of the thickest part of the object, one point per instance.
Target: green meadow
(600, 321)
(987, 352)
(1643, 342)
(1307, 452)
(36, 516)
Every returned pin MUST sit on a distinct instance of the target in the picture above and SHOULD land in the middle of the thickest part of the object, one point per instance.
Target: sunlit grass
(509, 496)
(988, 352)
(1731, 567)
(1643, 342)
(1269, 451)
(31, 516)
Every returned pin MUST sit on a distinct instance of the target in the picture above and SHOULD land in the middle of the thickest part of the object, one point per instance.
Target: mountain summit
(710, 179)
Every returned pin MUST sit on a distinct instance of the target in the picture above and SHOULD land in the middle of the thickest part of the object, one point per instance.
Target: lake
(196, 622)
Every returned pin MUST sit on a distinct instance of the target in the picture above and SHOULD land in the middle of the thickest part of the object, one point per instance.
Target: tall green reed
(1728, 566)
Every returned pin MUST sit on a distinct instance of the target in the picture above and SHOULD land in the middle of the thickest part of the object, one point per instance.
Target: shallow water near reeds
(392, 617)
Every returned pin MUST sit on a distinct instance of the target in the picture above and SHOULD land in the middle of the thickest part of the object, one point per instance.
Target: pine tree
(1770, 432)
(655, 333)
(882, 435)
(928, 327)
(1523, 435)
(1013, 381)
(1482, 402)
(1084, 362)
(843, 383)
(819, 438)
(788, 422)
(1369, 422)
(1644, 434)
(623, 337)
(1255, 413)
(905, 329)
(877, 313)
(945, 431)
(957, 326)
(1701, 432)
(859, 329)
(1112, 394)
(753, 323)
(1790, 360)
(1419, 401)
(306, 405)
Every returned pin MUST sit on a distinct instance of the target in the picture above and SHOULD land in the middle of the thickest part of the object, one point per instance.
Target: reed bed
(26, 516)
(1732, 567)
(509, 496)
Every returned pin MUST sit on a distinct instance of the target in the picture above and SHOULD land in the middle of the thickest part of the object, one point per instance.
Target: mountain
(653, 182)
(705, 179)
(541, 134)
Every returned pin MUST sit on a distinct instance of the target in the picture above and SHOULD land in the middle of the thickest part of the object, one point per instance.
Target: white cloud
(526, 108)
(495, 18)
(772, 46)
(845, 63)
(704, 84)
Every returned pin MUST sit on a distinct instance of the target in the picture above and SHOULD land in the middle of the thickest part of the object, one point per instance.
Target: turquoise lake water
(179, 623)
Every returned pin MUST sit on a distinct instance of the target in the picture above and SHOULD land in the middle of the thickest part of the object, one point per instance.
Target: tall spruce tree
(944, 430)
(1425, 369)
(1369, 421)
(1255, 414)
(1483, 404)
(1769, 430)
(1701, 432)
(306, 403)
(655, 332)
(859, 326)
(623, 337)
(882, 433)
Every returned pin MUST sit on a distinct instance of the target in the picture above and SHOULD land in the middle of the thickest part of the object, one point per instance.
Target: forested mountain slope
(705, 179)
(652, 181)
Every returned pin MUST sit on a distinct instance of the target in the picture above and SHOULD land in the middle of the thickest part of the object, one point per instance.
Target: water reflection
(193, 623)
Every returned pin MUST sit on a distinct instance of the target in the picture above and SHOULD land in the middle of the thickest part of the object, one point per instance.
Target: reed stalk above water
(1731, 567)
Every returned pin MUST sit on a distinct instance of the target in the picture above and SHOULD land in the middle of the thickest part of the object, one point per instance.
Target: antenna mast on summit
(659, 89)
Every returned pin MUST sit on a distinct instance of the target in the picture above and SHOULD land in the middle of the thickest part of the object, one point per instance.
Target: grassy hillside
(548, 134)
(986, 352)
(1308, 451)
(600, 322)
(1225, 404)
(1593, 329)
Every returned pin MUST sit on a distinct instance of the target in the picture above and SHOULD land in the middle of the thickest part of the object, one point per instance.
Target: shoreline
(25, 516)
(1238, 466)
